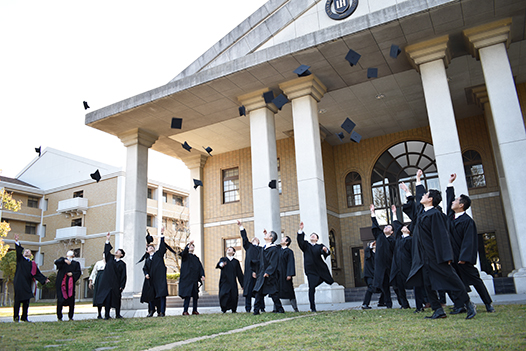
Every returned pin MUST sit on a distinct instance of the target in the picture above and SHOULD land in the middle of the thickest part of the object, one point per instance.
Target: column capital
(194, 161)
(480, 95)
(487, 35)
(303, 86)
(254, 101)
(138, 136)
(428, 51)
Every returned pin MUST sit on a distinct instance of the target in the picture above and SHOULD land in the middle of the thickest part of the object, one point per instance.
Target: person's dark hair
(122, 252)
(231, 247)
(287, 240)
(317, 236)
(274, 236)
(465, 201)
(436, 196)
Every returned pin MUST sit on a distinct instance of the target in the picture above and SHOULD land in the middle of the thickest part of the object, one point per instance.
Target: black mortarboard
(302, 71)
(197, 183)
(242, 111)
(353, 57)
(186, 146)
(356, 137)
(95, 176)
(280, 100)
(268, 96)
(208, 149)
(38, 150)
(272, 184)
(177, 123)
(372, 72)
(85, 105)
(149, 238)
(340, 136)
(348, 125)
(395, 51)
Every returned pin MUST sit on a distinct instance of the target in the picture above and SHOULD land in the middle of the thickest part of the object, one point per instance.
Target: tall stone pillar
(160, 206)
(488, 43)
(305, 93)
(264, 162)
(137, 143)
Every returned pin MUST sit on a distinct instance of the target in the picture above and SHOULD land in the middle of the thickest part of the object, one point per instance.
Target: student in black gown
(286, 271)
(26, 271)
(368, 273)
(401, 264)
(230, 272)
(267, 277)
(68, 274)
(192, 274)
(464, 241)
(315, 267)
(252, 252)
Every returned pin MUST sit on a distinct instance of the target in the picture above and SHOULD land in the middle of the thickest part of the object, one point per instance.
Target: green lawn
(340, 330)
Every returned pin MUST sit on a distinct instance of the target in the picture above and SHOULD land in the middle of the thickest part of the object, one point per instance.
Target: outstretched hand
(371, 208)
(301, 226)
(452, 177)
(17, 237)
(108, 236)
(393, 208)
(239, 222)
(419, 174)
(404, 187)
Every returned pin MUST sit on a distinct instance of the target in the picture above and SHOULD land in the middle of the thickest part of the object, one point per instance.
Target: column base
(519, 277)
(325, 293)
(130, 301)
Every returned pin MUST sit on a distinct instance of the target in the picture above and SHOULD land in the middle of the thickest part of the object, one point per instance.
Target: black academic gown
(148, 291)
(156, 269)
(63, 269)
(191, 273)
(384, 253)
(401, 265)
(413, 208)
(268, 264)
(368, 266)
(251, 264)
(23, 277)
(463, 233)
(228, 292)
(113, 279)
(286, 268)
(315, 267)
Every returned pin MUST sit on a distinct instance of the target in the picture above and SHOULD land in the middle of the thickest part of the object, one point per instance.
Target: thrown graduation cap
(340, 136)
(96, 176)
(38, 150)
(208, 149)
(186, 146)
(85, 105)
(348, 125)
(268, 96)
(356, 137)
(279, 101)
(149, 238)
(197, 183)
(302, 71)
(353, 57)
(273, 184)
(177, 123)
(372, 72)
(395, 51)
(242, 111)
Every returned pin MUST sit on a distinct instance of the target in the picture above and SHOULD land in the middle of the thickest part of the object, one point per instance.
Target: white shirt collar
(269, 245)
(458, 214)
(230, 257)
(427, 208)
(405, 235)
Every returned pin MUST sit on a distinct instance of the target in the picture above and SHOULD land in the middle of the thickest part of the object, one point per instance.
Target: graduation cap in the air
(268, 96)
(372, 72)
(197, 183)
(149, 238)
(186, 146)
(177, 123)
(356, 137)
(302, 71)
(273, 184)
(242, 111)
(353, 57)
(348, 125)
(395, 51)
(96, 176)
(340, 136)
(38, 150)
(85, 105)
(279, 101)
(208, 149)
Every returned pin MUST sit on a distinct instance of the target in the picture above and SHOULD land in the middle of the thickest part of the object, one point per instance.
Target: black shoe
(256, 313)
(16, 319)
(366, 307)
(159, 315)
(313, 310)
(99, 317)
(59, 319)
(418, 310)
(150, 314)
(119, 317)
(281, 310)
(458, 310)
(471, 310)
(439, 313)
(262, 311)
(26, 321)
(490, 308)
(382, 305)
(107, 318)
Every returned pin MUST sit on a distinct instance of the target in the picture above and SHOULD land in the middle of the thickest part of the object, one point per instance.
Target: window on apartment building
(150, 193)
(279, 176)
(42, 259)
(230, 185)
(79, 193)
(76, 252)
(353, 186)
(178, 200)
(31, 228)
(77, 222)
(32, 202)
(44, 207)
(43, 234)
(236, 244)
(148, 221)
(473, 169)
(165, 197)
(165, 222)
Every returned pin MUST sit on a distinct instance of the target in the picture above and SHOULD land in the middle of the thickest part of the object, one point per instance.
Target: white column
(488, 42)
(137, 142)
(264, 162)
(160, 205)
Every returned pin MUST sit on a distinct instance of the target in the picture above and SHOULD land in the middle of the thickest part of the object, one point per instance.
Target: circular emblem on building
(340, 9)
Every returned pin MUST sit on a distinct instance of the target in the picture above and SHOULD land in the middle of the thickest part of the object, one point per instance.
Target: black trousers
(470, 276)
(107, 305)
(386, 291)
(158, 304)
(70, 302)
(195, 297)
(459, 295)
(259, 304)
(370, 291)
(399, 288)
(16, 309)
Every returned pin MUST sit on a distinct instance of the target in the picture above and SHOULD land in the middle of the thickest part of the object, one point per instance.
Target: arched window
(400, 164)
(332, 244)
(353, 184)
(473, 169)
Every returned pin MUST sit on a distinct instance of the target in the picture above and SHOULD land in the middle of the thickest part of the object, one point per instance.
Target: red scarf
(67, 287)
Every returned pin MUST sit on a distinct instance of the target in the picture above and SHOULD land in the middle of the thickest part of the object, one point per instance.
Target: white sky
(56, 54)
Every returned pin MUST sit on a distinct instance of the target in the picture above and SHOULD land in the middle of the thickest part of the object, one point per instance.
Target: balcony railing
(71, 233)
(74, 206)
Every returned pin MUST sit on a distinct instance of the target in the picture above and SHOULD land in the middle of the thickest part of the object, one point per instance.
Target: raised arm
(450, 196)
(375, 226)
(301, 238)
